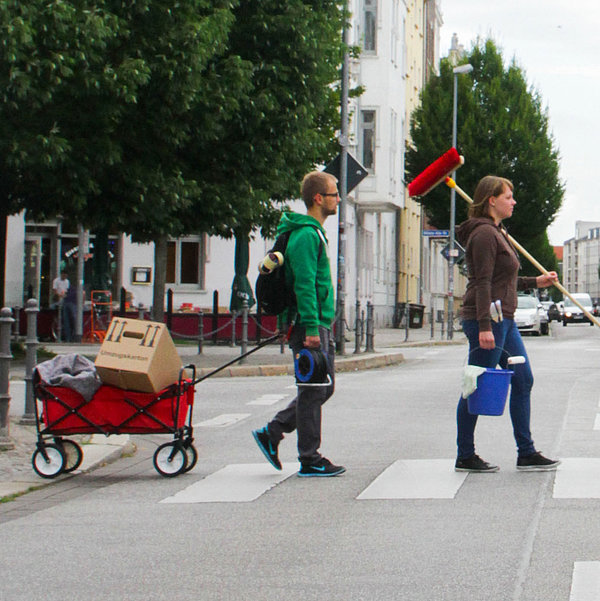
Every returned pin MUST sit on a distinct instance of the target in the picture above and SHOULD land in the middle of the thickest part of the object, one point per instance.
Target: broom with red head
(439, 171)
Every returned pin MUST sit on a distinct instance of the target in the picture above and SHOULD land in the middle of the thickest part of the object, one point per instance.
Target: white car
(572, 313)
(530, 315)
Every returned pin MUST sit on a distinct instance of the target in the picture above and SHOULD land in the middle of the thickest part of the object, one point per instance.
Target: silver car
(530, 316)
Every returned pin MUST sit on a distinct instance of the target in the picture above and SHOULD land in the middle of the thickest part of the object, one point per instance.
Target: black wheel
(170, 459)
(73, 454)
(192, 457)
(52, 464)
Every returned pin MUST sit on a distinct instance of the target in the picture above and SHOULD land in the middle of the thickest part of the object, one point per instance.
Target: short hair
(488, 186)
(313, 183)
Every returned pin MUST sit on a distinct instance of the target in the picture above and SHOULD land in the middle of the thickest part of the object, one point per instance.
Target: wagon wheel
(192, 457)
(73, 454)
(170, 459)
(50, 465)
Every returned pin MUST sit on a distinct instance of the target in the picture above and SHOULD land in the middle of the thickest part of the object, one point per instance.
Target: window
(370, 21)
(367, 141)
(185, 261)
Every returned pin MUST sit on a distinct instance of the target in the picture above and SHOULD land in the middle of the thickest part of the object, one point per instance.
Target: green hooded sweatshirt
(308, 273)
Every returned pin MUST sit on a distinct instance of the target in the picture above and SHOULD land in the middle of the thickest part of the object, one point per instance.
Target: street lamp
(452, 253)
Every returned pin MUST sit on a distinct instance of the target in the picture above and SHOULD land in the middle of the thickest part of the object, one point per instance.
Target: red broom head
(435, 173)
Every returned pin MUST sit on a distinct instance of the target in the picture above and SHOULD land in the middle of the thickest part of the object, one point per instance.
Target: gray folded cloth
(71, 371)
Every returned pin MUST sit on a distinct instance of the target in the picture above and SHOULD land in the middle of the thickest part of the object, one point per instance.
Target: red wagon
(62, 412)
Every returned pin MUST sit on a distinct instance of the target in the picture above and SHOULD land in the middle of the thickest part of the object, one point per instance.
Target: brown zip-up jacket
(493, 266)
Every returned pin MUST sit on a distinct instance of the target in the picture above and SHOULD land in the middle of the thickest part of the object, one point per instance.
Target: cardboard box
(138, 355)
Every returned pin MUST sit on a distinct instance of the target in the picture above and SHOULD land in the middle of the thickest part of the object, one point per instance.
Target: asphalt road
(124, 532)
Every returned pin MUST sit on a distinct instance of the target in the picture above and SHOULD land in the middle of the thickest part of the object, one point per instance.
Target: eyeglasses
(330, 194)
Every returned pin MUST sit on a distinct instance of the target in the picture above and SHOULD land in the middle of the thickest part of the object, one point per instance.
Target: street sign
(436, 233)
(355, 172)
(458, 253)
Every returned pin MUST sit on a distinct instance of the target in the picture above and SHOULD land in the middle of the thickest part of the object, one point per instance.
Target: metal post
(215, 316)
(169, 309)
(141, 311)
(357, 328)
(59, 316)
(6, 322)
(432, 322)
(233, 320)
(370, 335)
(452, 219)
(340, 330)
(31, 346)
(82, 250)
(200, 331)
(452, 253)
(244, 346)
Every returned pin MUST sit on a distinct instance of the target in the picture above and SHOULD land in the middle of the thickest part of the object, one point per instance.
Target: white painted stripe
(585, 585)
(416, 479)
(267, 399)
(577, 478)
(236, 483)
(222, 421)
(597, 422)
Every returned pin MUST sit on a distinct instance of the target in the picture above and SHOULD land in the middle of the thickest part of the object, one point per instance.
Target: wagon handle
(218, 369)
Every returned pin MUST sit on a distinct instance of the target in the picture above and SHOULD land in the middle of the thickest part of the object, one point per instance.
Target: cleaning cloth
(469, 380)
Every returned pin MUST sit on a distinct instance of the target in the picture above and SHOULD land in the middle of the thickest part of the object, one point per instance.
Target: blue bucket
(489, 398)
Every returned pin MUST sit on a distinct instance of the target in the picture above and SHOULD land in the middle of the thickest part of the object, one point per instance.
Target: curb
(95, 455)
(344, 364)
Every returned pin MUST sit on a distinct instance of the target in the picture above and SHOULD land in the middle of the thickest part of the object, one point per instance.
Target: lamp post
(466, 68)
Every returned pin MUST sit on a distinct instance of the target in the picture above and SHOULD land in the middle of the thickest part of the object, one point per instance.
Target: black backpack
(273, 295)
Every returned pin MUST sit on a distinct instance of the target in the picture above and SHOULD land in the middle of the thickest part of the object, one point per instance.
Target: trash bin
(398, 320)
(415, 315)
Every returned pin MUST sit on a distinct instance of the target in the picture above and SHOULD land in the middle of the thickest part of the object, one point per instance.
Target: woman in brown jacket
(493, 266)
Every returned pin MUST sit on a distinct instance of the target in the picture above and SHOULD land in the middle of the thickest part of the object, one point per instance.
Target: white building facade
(581, 260)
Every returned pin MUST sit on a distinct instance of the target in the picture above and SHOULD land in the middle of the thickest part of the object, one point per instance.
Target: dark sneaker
(474, 464)
(536, 462)
(323, 467)
(268, 448)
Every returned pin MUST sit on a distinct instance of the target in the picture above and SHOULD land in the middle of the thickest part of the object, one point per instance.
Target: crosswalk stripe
(223, 420)
(235, 483)
(577, 478)
(267, 399)
(597, 422)
(585, 585)
(416, 479)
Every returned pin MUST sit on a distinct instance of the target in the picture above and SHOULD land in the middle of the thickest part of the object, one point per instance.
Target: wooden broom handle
(452, 184)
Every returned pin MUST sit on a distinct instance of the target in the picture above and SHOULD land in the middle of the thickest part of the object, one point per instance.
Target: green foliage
(502, 130)
(159, 118)
(284, 117)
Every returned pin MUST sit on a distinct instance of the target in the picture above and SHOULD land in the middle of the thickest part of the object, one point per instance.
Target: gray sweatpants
(304, 412)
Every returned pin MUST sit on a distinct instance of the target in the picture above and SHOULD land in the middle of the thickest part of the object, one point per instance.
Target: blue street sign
(436, 233)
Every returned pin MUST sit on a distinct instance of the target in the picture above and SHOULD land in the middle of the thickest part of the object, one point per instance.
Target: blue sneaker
(268, 447)
(322, 468)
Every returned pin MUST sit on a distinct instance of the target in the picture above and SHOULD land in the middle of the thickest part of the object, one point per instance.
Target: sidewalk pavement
(17, 475)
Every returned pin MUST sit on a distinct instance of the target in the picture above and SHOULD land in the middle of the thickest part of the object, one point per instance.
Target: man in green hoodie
(308, 272)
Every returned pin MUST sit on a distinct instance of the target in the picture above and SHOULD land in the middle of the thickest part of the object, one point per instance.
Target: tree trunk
(160, 272)
(100, 262)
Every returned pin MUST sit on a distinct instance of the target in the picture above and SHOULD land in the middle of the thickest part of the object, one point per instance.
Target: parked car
(530, 315)
(572, 313)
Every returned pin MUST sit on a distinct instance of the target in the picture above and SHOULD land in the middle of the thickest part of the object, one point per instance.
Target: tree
(158, 118)
(284, 123)
(502, 130)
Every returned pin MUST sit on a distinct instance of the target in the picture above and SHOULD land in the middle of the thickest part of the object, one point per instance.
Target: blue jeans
(508, 344)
